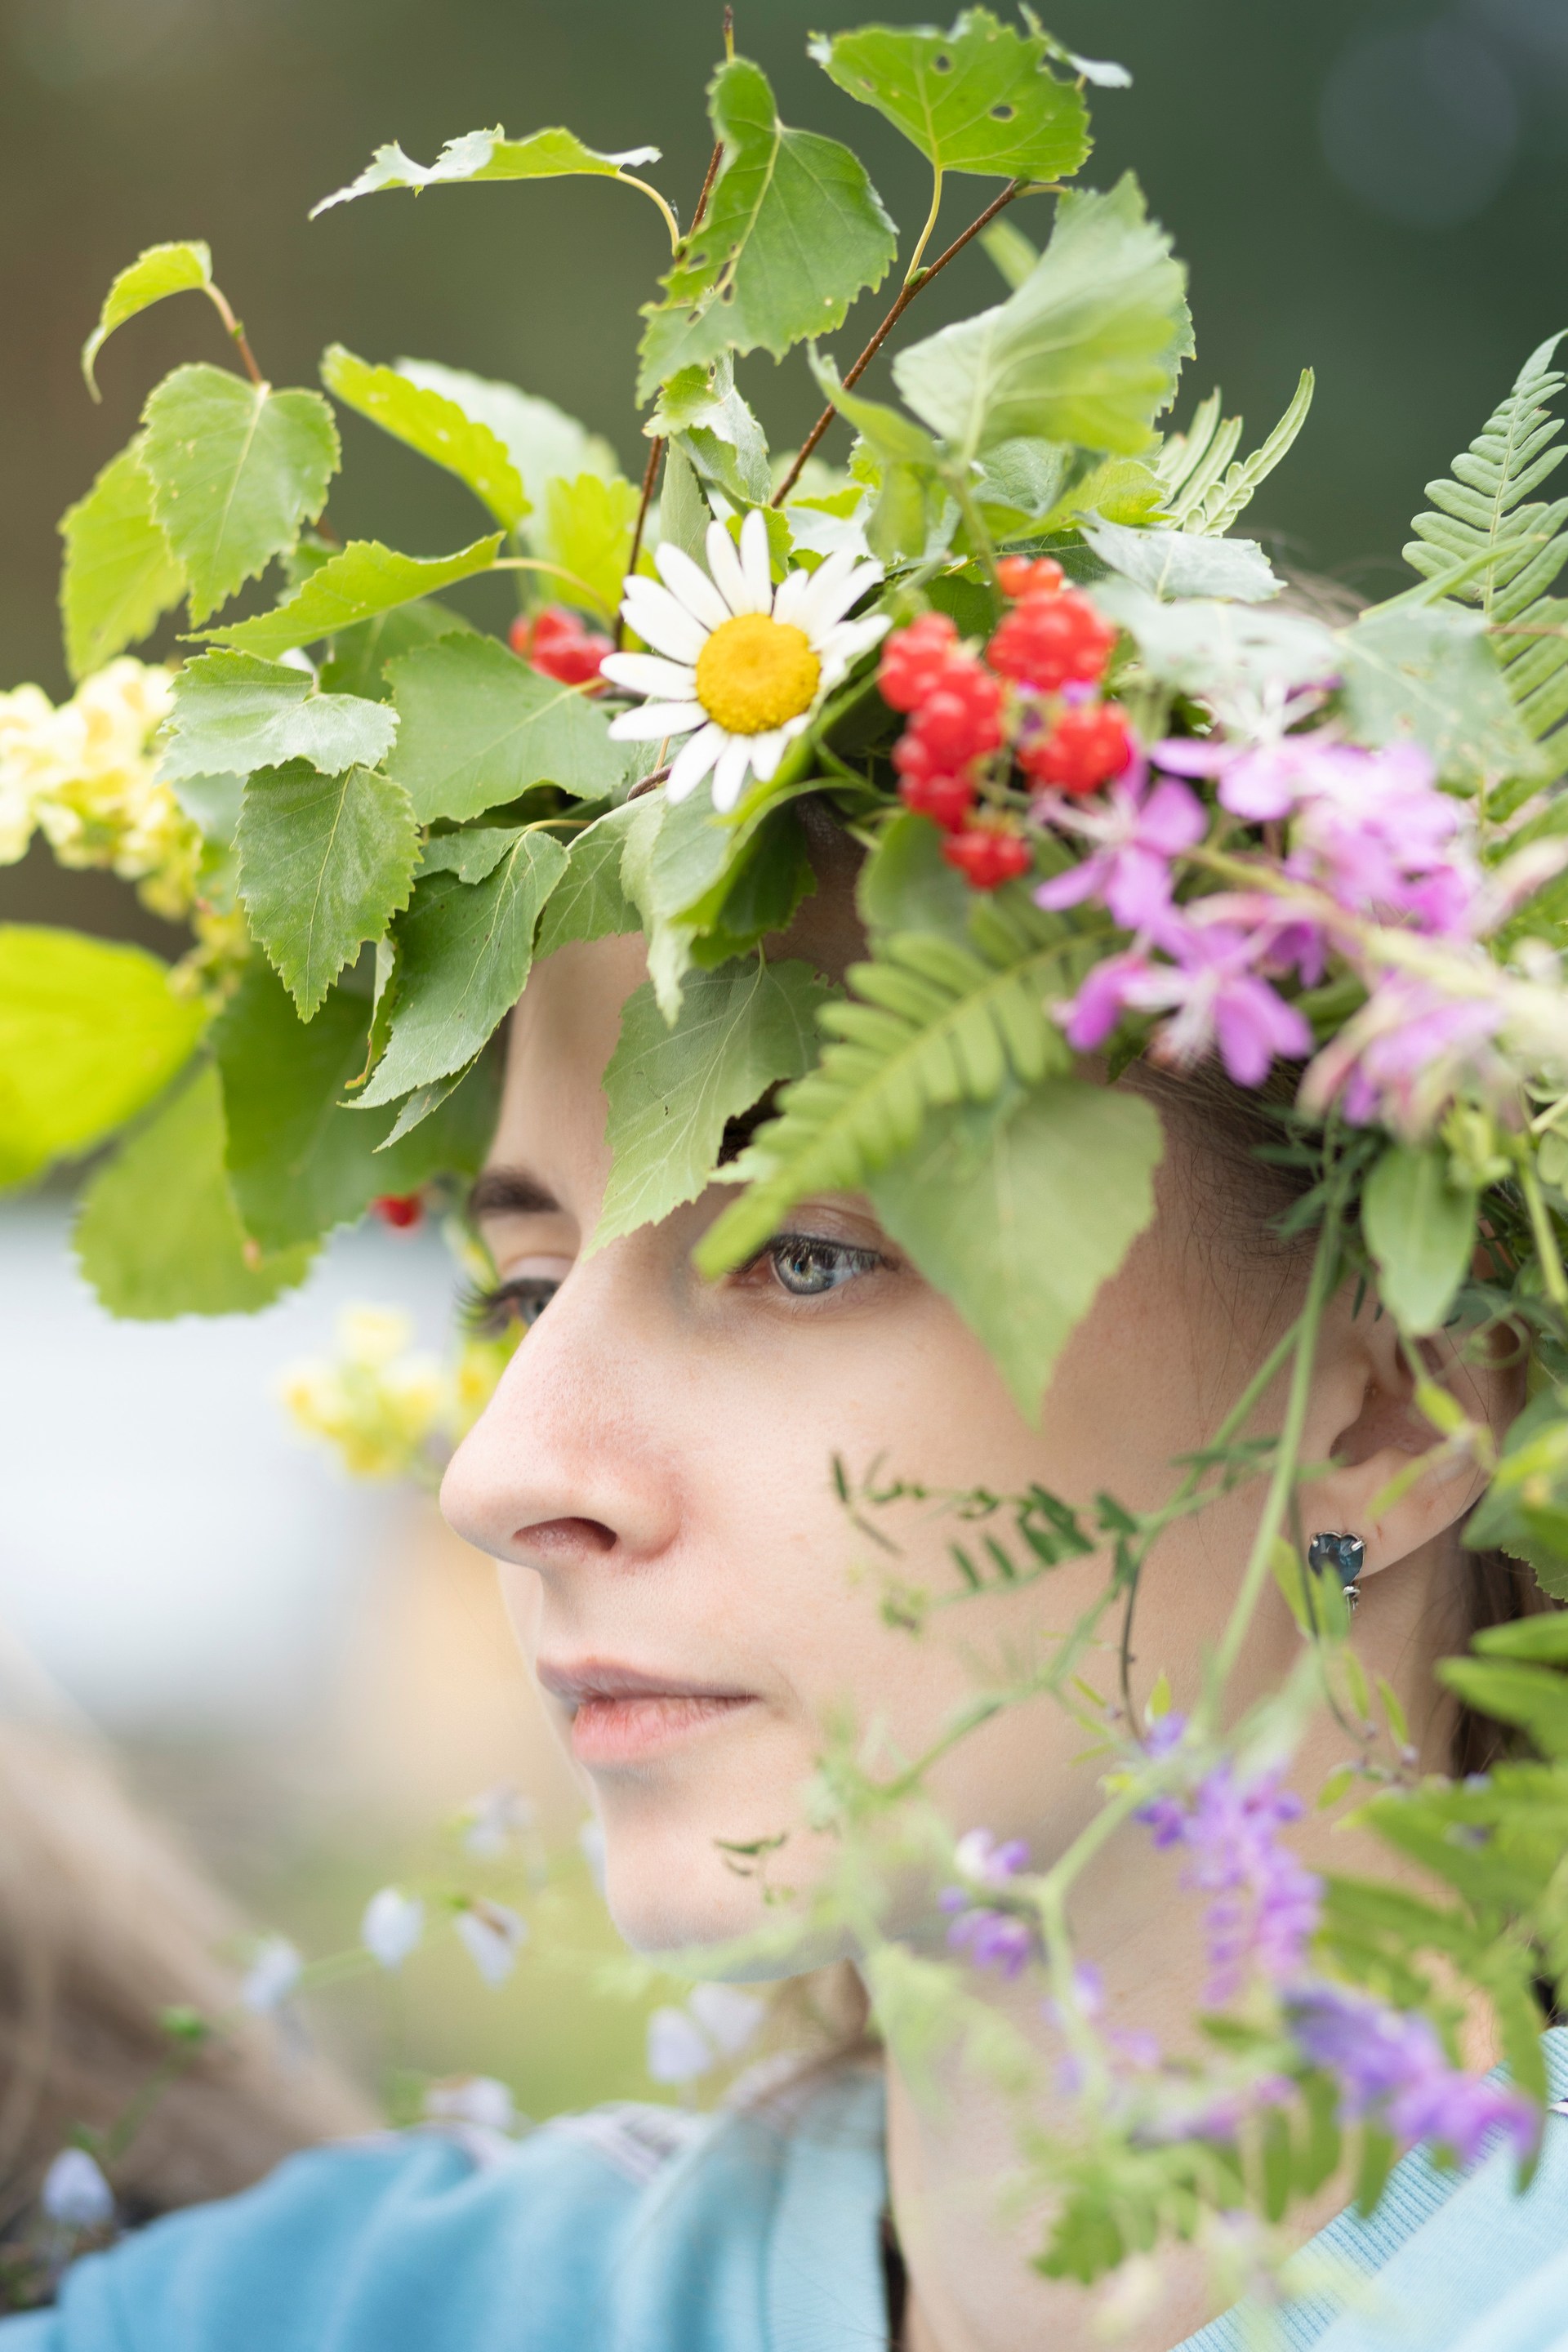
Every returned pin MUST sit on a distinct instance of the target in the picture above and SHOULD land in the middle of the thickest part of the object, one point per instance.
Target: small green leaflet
(325, 862)
(488, 155)
(464, 955)
(1429, 673)
(183, 268)
(1422, 1231)
(793, 233)
(717, 428)
(670, 1091)
(471, 854)
(588, 902)
(236, 468)
(360, 654)
(1088, 350)
(233, 713)
(89, 1034)
(1019, 1213)
(543, 443)
(121, 573)
(1183, 563)
(301, 1163)
(434, 425)
(587, 530)
(364, 580)
(684, 513)
(158, 1233)
(980, 98)
(479, 727)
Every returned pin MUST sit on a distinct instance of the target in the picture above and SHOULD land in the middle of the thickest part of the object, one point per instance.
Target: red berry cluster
(960, 712)
(400, 1210)
(559, 642)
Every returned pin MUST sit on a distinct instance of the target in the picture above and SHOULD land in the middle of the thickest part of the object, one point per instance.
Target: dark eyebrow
(508, 1192)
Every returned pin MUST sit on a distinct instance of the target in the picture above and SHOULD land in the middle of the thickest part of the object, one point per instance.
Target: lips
(623, 1715)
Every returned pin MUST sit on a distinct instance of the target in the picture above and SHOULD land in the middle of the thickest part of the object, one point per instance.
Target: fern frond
(1485, 509)
(931, 1022)
(1201, 495)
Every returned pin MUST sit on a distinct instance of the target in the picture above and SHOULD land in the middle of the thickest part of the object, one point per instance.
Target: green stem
(1551, 1257)
(630, 180)
(924, 238)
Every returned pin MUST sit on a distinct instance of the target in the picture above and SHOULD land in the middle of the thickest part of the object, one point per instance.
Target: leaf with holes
(325, 862)
(479, 727)
(234, 713)
(183, 268)
(121, 574)
(981, 99)
(426, 421)
(793, 233)
(489, 155)
(360, 581)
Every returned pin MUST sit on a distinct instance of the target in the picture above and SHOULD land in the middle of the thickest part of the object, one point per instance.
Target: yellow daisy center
(753, 673)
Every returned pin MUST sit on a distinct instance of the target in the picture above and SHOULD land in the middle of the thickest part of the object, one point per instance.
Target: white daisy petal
(691, 584)
(833, 599)
(793, 590)
(725, 565)
(693, 761)
(647, 674)
(655, 719)
(754, 560)
(848, 640)
(767, 750)
(663, 621)
(730, 775)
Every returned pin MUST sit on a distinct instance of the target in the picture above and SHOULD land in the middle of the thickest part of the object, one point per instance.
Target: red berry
(1020, 577)
(961, 719)
(913, 659)
(946, 800)
(1086, 747)
(1051, 642)
(558, 642)
(400, 1210)
(986, 857)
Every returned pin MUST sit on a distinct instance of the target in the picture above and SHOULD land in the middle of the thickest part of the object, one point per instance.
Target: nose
(574, 1460)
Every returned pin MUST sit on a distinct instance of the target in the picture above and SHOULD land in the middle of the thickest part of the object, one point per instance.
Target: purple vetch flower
(1403, 1056)
(1266, 1903)
(1389, 2064)
(1135, 832)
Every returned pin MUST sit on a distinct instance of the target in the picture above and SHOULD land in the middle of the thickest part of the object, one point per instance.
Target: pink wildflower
(1134, 832)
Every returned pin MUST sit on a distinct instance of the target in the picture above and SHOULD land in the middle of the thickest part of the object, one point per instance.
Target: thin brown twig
(220, 304)
(906, 293)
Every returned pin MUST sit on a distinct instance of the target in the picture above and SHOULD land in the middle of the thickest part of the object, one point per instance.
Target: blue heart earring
(1346, 1555)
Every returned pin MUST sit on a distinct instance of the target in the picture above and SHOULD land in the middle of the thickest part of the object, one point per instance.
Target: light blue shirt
(641, 2229)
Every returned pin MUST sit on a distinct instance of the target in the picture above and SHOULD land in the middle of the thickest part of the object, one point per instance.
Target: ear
(1364, 1419)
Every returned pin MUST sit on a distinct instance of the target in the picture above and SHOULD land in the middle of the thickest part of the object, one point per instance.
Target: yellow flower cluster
(392, 1411)
(85, 775)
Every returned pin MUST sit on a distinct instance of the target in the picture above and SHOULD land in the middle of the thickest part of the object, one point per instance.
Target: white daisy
(737, 666)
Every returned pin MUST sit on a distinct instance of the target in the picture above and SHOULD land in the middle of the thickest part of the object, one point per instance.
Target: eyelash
(492, 1312)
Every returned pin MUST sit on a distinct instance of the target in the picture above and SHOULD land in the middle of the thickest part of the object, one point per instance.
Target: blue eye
(807, 1266)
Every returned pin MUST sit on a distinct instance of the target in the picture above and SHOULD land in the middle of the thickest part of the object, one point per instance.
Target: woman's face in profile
(654, 1475)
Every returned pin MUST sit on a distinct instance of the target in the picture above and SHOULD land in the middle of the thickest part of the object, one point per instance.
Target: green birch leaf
(360, 654)
(670, 1091)
(479, 727)
(588, 902)
(1183, 563)
(121, 574)
(362, 580)
(233, 713)
(299, 1161)
(185, 266)
(983, 1199)
(159, 1235)
(684, 513)
(702, 409)
(489, 155)
(470, 855)
(236, 468)
(793, 233)
(1088, 350)
(543, 443)
(428, 421)
(587, 529)
(91, 1033)
(463, 956)
(1429, 673)
(325, 862)
(980, 98)
(1421, 1229)
(894, 437)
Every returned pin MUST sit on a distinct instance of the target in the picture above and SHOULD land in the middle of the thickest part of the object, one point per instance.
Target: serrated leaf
(364, 579)
(488, 155)
(670, 1091)
(588, 902)
(1206, 647)
(894, 437)
(463, 956)
(684, 513)
(233, 713)
(360, 654)
(543, 443)
(470, 853)
(184, 267)
(702, 407)
(1421, 1229)
(793, 233)
(1430, 674)
(479, 727)
(980, 98)
(236, 470)
(158, 1233)
(325, 862)
(587, 528)
(1181, 563)
(981, 1203)
(121, 574)
(91, 1033)
(299, 1162)
(1088, 350)
(428, 421)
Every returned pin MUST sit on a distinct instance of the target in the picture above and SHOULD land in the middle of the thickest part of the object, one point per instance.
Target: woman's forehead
(560, 1037)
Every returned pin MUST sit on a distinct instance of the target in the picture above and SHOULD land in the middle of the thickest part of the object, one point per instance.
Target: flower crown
(1117, 793)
